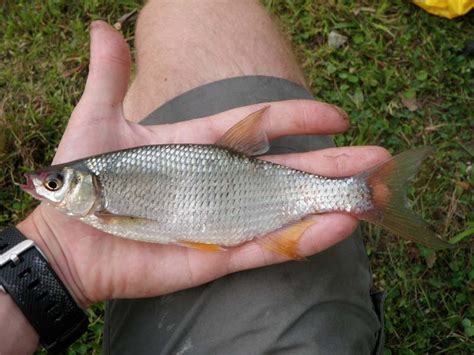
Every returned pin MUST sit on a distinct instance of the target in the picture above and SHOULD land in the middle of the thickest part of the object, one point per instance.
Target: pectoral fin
(248, 136)
(285, 240)
(110, 218)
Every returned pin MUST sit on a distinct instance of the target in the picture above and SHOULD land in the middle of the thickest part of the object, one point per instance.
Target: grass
(401, 76)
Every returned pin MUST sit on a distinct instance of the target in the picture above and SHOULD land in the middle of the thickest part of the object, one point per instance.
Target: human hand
(97, 266)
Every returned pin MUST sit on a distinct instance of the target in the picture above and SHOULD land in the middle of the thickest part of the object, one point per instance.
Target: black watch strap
(36, 289)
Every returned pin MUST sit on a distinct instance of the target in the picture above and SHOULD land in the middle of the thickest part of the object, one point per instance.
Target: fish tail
(388, 183)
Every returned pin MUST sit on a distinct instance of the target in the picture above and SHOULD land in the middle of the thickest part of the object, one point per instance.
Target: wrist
(37, 228)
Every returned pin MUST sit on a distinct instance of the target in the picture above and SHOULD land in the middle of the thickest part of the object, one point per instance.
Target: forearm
(18, 336)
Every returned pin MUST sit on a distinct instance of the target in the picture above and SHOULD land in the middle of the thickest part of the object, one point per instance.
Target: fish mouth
(29, 187)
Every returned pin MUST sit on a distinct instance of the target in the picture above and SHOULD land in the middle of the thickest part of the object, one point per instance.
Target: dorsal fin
(248, 136)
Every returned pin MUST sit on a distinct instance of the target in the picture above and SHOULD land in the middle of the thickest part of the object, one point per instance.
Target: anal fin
(284, 241)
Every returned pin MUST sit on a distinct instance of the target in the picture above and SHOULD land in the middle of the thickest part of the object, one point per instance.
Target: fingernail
(94, 25)
(340, 111)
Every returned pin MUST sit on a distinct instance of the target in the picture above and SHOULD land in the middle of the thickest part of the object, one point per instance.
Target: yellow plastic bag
(446, 8)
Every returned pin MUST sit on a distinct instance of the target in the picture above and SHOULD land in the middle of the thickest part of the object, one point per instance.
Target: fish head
(69, 190)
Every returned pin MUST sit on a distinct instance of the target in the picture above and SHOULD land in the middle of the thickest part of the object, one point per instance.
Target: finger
(333, 162)
(109, 72)
(292, 117)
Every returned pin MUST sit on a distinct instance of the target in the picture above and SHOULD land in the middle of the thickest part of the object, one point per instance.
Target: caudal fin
(388, 183)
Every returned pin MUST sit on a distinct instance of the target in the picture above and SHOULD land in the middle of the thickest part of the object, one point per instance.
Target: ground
(401, 75)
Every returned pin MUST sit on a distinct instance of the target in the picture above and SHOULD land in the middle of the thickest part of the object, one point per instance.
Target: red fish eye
(53, 182)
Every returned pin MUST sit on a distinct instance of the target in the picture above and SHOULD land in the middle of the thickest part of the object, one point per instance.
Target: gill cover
(81, 195)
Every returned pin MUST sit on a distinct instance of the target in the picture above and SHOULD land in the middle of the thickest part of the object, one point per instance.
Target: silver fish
(211, 196)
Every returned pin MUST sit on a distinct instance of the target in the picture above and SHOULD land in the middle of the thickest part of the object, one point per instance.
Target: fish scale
(208, 194)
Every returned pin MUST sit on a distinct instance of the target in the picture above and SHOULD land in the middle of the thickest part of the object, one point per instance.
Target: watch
(27, 277)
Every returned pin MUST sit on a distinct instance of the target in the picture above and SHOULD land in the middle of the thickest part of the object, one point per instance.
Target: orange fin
(388, 184)
(248, 136)
(201, 246)
(285, 240)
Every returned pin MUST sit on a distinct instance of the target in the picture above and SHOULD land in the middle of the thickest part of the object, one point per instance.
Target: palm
(105, 266)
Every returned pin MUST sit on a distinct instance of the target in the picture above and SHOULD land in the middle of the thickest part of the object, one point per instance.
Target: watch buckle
(13, 254)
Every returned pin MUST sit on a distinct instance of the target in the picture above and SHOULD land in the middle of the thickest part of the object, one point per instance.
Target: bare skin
(182, 45)
(98, 124)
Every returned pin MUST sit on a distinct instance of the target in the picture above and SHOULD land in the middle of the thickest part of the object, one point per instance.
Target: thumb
(101, 103)
(109, 72)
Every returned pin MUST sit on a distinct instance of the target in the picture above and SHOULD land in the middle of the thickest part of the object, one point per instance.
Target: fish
(215, 196)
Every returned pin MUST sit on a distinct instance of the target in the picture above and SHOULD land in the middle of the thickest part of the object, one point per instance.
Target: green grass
(396, 55)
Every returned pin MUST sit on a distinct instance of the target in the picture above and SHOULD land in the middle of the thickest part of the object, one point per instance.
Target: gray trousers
(323, 306)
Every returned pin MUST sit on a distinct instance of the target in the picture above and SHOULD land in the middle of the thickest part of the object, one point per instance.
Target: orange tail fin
(388, 182)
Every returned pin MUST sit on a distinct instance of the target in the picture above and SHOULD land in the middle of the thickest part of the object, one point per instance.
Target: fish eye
(53, 182)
